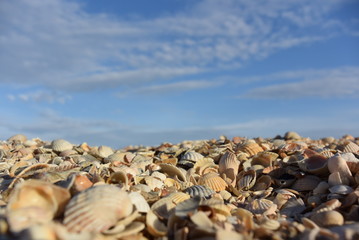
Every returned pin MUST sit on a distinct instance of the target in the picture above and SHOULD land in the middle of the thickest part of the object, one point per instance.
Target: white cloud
(41, 96)
(171, 88)
(58, 44)
(326, 83)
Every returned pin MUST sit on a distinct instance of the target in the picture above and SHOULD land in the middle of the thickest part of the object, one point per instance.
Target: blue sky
(136, 72)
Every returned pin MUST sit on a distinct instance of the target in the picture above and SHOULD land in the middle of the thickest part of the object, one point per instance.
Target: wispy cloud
(41, 96)
(171, 88)
(59, 45)
(323, 83)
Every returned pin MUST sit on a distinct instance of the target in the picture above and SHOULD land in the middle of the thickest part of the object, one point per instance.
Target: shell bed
(287, 187)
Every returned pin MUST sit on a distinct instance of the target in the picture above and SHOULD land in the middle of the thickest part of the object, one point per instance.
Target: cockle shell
(60, 145)
(200, 191)
(35, 201)
(349, 147)
(262, 183)
(187, 207)
(17, 138)
(250, 148)
(139, 202)
(292, 136)
(228, 161)
(246, 179)
(97, 209)
(213, 181)
(261, 206)
(264, 158)
(165, 205)
(293, 207)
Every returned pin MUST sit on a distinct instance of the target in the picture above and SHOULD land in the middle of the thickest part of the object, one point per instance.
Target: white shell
(60, 145)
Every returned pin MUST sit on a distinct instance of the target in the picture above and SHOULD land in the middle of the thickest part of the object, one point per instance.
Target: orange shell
(213, 181)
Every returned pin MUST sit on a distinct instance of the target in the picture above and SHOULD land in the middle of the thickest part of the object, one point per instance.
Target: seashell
(306, 183)
(222, 234)
(293, 207)
(119, 177)
(115, 157)
(39, 231)
(200, 191)
(17, 138)
(228, 161)
(341, 189)
(262, 183)
(35, 201)
(154, 226)
(96, 209)
(335, 179)
(158, 175)
(187, 207)
(349, 147)
(139, 201)
(314, 200)
(338, 164)
(321, 188)
(60, 145)
(213, 181)
(79, 182)
(264, 158)
(261, 207)
(246, 180)
(250, 148)
(104, 151)
(328, 206)
(205, 165)
(164, 206)
(328, 219)
(201, 219)
(270, 224)
(191, 156)
(154, 183)
(315, 164)
(217, 205)
(292, 136)
(328, 153)
(353, 167)
(173, 171)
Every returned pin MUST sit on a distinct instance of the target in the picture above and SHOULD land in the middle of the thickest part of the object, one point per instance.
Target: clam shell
(191, 156)
(115, 157)
(338, 164)
(17, 138)
(341, 189)
(104, 151)
(293, 207)
(97, 209)
(349, 147)
(328, 206)
(328, 219)
(200, 191)
(335, 179)
(321, 188)
(315, 164)
(213, 181)
(292, 136)
(60, 145)
(262, 183)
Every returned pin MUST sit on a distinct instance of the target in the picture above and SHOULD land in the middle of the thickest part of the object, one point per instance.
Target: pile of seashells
(279, 188)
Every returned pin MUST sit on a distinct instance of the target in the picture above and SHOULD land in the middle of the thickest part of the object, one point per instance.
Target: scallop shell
(349, 147)
(35, 201)
(228, 161)
(328, 219)
(213, 181)
(250, 148)
(200, 191)
(246, 180)
(60, 145)
(306, 183)
(261, 206)
(97, 209)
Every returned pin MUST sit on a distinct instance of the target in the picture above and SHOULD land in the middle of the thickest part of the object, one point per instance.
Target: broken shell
(262, 183)
(200, 191)
(335, 179)
(338, 164)
(173, 171)
(60, 145)
(321, 188)
(139, 201)
(96, 209)
(315, 164)
(328, 219)
(17, 138)
(261, 206)
(264, 158)
(213, 181)
(104, 151)
(154, 226)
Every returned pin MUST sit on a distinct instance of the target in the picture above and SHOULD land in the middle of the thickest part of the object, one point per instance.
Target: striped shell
(228, 161)
(251, 148)
(213, 181)
(60, 145)
(200, 191)
(96, 209)
(349, 147)
(246, 179)
(306, 183)
(261, 206)
(192, 156)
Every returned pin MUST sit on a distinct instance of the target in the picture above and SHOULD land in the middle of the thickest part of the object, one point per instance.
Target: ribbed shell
(228, 161)
(259, 206)
(192, 156)
(17, 138)
(349, 147)
(96, 209)
(251, 148)
(246, 179)
(306, 183)
(264, 158)
(213, 181)
(200, 191)
(60, 145)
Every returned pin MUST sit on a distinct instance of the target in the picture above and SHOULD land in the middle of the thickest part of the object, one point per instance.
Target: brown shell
(261, 206)
(328, 219)
(213, 181)
(97, 209)
(264, 158)
(246, 179)
(349, 147)
(306, 183)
